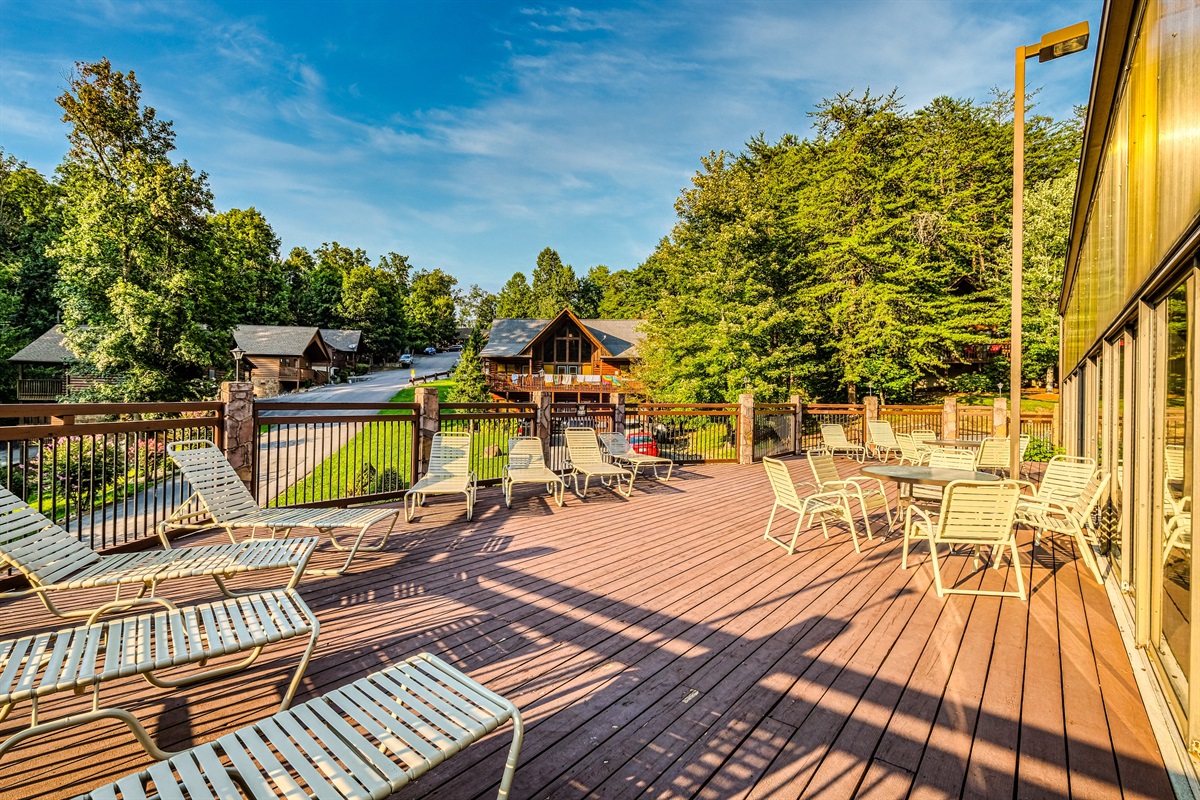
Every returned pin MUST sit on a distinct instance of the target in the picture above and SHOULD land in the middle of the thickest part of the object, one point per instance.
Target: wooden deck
(659, 647)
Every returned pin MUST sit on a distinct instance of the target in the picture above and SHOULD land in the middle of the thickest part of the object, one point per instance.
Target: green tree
(432, 305)
(553, 285)
(590, 291)
(477, 308)
(470, 386)
(244, 242)
(515, 300)
(372, 301)
(1047, 223)
(135, 253)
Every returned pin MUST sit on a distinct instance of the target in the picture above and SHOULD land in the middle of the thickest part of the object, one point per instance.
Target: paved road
(378, 387)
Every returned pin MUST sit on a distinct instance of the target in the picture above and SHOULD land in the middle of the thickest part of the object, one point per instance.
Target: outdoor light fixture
(1061, 42)
(237, 362)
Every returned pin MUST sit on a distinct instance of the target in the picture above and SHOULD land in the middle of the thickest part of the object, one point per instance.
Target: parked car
(454, 348)
(643, 443)
(430, 351)
(406, 360)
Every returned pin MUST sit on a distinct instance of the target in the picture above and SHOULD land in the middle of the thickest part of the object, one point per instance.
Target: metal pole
(1014, 377)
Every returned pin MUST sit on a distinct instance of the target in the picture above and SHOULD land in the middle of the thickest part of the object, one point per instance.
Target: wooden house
(577, 360)
(344, 347)
(47, 370)
(282, 358)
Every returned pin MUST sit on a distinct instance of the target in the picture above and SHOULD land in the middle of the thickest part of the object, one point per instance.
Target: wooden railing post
(1000, 417)
(746, 428)
(428, 423)
(542, 423)
(797, 422)
(950, 418)
(870, 414)
(238, 427)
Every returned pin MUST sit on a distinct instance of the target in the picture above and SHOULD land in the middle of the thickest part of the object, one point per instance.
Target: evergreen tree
(432, 306)
(515, 300)
(470, 386)
(553, 285)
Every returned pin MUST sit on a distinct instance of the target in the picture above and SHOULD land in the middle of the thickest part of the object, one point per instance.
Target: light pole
(237, 362)
(1061, 42)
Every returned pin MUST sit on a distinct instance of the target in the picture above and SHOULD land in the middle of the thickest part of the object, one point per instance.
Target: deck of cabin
(659, 647)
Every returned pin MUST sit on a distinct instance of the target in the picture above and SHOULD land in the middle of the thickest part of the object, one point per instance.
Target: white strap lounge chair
(869, 492)
(224, 498)
(449, 472)
(84, 657)
(54, 560)
(360, 742)
(623, 455)
(583, 449)
(972, 513)
(1075, 518)
(527, 464)
(909, 451)
(923, 439)
(995, 454)
(821, 505)
(833, 438)
(1065, 479)
(882, 439)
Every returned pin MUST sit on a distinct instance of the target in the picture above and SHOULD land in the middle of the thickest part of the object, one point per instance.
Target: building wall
(1130, 343)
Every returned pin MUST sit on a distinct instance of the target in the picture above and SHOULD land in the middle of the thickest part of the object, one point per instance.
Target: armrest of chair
(908, 518)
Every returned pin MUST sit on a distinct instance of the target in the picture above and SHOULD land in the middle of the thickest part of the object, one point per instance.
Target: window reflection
(1176, 506)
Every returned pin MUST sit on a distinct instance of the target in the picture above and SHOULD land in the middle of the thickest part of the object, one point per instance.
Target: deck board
(659, 647)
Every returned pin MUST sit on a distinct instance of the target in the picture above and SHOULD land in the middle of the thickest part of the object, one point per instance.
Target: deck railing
(100, 470)
(41, 389)
(774, 429)
(321, 454)
(491, 425)
(906, 419)
(851, 416)
(688, 433)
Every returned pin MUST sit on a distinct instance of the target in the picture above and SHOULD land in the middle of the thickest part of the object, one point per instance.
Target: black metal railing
(774, 427)
(318, 454)
(849, 416)
(906, 419)
(491, 425)
(597, 416)
(100, 470)
(699, 432)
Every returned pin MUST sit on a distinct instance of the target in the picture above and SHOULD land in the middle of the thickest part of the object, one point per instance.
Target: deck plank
(659, 647)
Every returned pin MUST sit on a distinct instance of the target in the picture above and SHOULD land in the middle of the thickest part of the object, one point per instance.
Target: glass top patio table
(972, 443)
(926, 476)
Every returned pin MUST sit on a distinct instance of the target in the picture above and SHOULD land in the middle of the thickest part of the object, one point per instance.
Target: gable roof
(346, 341)
(49, 348)
(276, 340)
(510, 337)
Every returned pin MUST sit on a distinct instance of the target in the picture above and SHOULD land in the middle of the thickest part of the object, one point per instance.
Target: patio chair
(1177, 535)
(923, 438)
(869, 492)
(942, 458)
(821, 505)
(363, 741)
(972, 513)
(449, 472)
(53, 560)
(583, 448)
(82, 658)
(833, 438)
(1064, 480)
(910, 451)
(527, 464)
(1075, 518)
(619, 450)
(226, 503)
(883, 439)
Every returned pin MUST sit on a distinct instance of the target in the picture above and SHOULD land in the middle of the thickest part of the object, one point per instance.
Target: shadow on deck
(659, 647)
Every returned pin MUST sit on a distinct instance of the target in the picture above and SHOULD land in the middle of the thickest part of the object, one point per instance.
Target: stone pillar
(1000, 417)
(542, 424)
(618, 401)
(797, 422)
(746, 428)
(870, 414)
(950, 418)
(428, 423)
(237, 434)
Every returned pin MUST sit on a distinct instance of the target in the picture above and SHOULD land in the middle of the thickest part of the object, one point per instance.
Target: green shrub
(1042, 449)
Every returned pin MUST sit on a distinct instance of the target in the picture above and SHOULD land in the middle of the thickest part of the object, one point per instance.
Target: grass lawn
(409, 394)
(1026, 403)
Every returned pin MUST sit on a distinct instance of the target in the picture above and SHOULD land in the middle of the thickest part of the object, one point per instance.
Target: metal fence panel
(688, 434)
(773, 430)
(850, 417)
(491, 425)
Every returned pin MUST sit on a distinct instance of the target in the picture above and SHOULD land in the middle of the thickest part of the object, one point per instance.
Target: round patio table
(925, 476)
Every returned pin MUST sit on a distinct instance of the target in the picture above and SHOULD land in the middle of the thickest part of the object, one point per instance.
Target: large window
(567, 347)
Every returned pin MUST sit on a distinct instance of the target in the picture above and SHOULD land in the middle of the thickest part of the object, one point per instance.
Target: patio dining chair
(882, 441)
(449, 472)
(618, 448)
(583, 449)
(869, 492)
(152, 643)
(1073, 518)
(833, 438)
(923, 438)
(972, 513)
(224, 502)
(910, 451)
(527, 464)
(1064, 480)
(53, 560)
(942, 458)
(822, 506)
(363, 741)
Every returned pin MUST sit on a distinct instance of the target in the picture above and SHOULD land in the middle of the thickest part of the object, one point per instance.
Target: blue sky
(470, 135)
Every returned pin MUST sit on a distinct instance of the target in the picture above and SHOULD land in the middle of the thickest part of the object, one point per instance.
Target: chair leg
(771, 520)
(514, 750)
(1016, 563)
(937, 572)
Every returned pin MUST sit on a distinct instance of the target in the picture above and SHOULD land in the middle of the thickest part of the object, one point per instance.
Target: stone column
(428, 423)
(797, 422)
(618, 401)
(541, 425)
(1000, 417)
(237, 434)
(746, 428)
(870, 414)
(950, 418)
